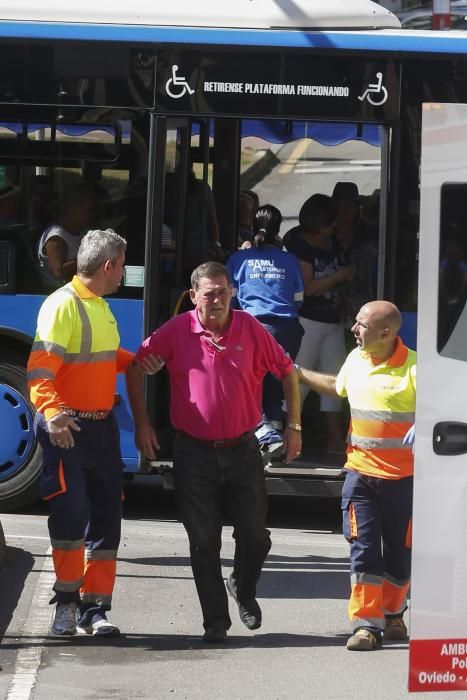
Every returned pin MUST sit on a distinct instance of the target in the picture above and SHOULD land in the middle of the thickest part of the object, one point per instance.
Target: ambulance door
(438, 619)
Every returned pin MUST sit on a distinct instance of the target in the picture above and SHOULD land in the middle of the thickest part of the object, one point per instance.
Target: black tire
(19, 483)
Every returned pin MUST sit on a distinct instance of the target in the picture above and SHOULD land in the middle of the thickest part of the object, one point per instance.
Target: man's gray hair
(97, 247)
(210, 270)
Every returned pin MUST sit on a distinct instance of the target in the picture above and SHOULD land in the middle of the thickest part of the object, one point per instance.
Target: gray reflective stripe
(378, 443)
(378, 622)
(98, 598)
(86, 328)
(48, 346)
(100, 356)
(298, 296)
(372, 579)
(40, 373)
(100, 554)
(395, 581)
(68, 586)
(385, 416)
(67, 545)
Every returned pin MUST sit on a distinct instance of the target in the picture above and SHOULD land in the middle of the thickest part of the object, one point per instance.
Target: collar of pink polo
(197, 327)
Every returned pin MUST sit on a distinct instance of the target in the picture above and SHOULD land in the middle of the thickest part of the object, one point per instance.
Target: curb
(2, 544)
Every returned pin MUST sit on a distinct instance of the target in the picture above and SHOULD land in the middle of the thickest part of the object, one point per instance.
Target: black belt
(218, 444)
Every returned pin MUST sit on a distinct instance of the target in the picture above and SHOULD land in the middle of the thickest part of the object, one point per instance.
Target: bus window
(61, 180)
(452, 318)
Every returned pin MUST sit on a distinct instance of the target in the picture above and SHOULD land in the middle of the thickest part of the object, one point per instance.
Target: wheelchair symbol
(375, 89)
(179, 83)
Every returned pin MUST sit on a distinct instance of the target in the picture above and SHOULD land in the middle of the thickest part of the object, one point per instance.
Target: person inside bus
(8, 199)
(324, 271)
(361, 250)
(58, 245)
(246, 212)
(267, 283)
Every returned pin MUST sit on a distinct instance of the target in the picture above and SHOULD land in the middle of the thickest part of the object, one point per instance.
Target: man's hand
(292, 444)
(146, 439)
(152, 364)
(59, 431)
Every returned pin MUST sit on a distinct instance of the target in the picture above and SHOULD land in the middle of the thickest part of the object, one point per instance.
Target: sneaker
(272, 452)
(249, 611)
(99, 628)
(363, 640)
(395, 629)
(64, 624)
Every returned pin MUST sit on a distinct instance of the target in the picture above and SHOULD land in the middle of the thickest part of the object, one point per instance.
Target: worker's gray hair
(96, 248)
(210, 270)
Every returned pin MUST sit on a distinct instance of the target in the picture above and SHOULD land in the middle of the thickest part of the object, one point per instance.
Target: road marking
(296, 154)
(339, 169)
(35, 630)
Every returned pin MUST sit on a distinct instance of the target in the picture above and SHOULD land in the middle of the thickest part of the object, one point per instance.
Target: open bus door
(438, 645)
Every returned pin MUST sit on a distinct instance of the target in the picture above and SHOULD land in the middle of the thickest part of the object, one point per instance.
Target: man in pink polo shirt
(217, 358)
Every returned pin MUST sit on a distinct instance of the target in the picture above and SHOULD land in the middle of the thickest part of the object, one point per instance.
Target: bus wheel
(20, 454)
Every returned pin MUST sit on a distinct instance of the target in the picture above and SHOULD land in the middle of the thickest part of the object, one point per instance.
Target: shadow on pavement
(177, 642)
(14, 571)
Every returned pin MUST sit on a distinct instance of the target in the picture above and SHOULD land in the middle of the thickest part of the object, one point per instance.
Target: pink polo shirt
(216, 394)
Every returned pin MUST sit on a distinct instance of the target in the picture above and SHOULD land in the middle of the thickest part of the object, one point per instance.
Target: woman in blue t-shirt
(268, 284)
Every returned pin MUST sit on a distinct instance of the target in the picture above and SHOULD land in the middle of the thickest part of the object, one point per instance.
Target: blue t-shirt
(267, 281)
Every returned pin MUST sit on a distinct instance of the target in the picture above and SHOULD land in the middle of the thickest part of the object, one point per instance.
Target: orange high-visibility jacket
(76, 356)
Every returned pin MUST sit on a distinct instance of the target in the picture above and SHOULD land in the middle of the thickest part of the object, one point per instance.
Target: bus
(164, 116)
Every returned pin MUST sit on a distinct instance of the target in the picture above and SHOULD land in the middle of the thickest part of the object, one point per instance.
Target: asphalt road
(299, 651)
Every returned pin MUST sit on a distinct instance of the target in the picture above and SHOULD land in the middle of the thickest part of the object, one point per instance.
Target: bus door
(438, 621)
(179, 174)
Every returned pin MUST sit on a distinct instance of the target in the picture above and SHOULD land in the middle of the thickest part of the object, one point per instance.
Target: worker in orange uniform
(378, 378)
(72, 372)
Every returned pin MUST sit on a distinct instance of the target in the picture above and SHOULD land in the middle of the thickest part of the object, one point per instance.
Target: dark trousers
(288, 332)
(377, 517)
(84, 487)
(205, 479)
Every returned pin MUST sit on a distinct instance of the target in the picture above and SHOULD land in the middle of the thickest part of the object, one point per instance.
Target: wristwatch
(295, 426)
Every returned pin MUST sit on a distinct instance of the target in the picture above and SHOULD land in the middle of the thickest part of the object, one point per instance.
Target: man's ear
(193, 296)
(107, 265)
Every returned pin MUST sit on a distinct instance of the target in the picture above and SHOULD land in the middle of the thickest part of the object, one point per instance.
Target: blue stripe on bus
(376, 40)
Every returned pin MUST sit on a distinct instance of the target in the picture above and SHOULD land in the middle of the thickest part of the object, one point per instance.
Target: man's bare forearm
(292, 397)
(321, 383)
(135, 388)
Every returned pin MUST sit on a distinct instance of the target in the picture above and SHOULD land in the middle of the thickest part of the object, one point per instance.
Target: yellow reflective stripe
(378, 443)
(48, 346)
(386, 416)
(99, 356)
(40, 373)
(86, 328)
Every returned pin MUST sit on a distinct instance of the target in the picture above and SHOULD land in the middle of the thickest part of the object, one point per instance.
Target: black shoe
(249, 611)
(215, 633)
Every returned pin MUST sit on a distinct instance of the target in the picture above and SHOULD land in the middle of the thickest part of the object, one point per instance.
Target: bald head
(383, 314)
(376, 328)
